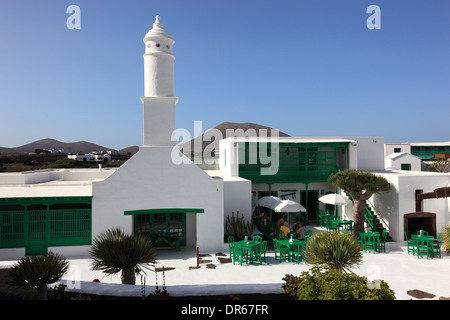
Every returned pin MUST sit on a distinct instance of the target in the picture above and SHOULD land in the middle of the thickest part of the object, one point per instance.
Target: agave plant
(38, 271)
(114, 251)
(333, 250)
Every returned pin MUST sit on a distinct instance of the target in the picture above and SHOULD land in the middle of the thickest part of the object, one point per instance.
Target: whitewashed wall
(369, 154)
(400, 200)
(390, 147)
(150, 180)
(396, 160)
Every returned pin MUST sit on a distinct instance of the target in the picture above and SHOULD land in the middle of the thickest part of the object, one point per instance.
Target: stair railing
(382, 219)
(367, 213)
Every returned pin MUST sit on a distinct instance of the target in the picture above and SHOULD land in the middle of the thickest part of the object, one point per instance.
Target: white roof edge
(293, 139)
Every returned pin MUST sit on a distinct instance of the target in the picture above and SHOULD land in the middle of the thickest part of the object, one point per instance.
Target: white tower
(159, 101)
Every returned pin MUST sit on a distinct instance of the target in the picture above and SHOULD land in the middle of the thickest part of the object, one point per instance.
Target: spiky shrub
(446, 238)
(38, 271)
(333, 250)
(113, 252)
(238, 227)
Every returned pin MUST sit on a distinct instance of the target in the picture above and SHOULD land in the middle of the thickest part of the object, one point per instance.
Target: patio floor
(401, 271)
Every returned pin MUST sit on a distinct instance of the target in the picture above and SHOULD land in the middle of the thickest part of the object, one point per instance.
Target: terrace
(398, 268)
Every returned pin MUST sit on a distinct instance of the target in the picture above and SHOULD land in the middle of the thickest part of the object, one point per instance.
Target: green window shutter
(38, 223)
(406, 166)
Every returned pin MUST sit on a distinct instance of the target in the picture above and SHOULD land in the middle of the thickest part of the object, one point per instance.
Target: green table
(290, 244)
(346, 224)
(325, 218)
(248, 245)
(417, 238)
(366, 239)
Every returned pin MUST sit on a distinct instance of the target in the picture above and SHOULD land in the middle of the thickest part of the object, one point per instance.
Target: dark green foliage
(333, 250)
(67, 163)
(113, 252)
(359, 184)
(335, 285)
(38, 271)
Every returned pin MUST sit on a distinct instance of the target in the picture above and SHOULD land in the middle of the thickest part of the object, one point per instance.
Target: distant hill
(132, 149)
(87, 147)
(52, 144)
(223, 127)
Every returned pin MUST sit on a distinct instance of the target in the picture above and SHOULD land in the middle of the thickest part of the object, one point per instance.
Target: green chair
(348, 227)
(424, 233)
(382, 243)
(296, 253)
(257, 238)
(371, 243)
(231, 246)
(173, 241)
(259, 253)
(281, 252)
(307, 237)
(409, 244)
(361, 241)
(437, 246)
(424, 248)
(240, 255)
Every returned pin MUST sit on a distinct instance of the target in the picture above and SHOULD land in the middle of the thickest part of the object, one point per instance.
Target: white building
(402, 161)
(160, 193)
(90, 157)
(423, 150)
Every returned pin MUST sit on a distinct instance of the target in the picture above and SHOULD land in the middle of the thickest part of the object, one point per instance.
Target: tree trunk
(128, 276)
(358, 216)
(42, 291)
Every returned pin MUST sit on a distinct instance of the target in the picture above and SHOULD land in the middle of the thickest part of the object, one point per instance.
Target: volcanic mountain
(228, 129)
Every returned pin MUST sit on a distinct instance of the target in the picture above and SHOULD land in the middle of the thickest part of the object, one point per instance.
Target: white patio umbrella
(289, 206)
(333, 198)
(336, 199)
(269, 202)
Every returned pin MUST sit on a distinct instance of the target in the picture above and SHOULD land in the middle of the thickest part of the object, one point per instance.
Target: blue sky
(308, 68)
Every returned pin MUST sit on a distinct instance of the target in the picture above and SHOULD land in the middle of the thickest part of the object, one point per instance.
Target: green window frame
(406, 166)
(38, 223)
(397, 150)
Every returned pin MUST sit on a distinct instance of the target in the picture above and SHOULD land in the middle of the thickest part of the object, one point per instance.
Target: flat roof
(51, 183)
(292, 139)
(422, 144)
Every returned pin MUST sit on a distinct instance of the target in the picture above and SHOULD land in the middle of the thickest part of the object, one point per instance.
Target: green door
(37, 230)
(162, 227)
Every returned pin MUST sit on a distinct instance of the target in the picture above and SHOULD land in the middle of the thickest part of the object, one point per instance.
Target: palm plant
(333, 250)
(114, 251)
(38, 271)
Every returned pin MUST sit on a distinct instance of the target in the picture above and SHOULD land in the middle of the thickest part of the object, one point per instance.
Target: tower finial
(158, 22)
